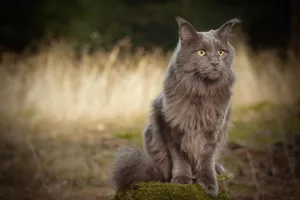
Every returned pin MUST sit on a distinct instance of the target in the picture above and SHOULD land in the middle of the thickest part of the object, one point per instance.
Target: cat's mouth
(213, 77)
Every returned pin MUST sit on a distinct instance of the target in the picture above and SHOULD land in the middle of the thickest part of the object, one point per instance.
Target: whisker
(180, 81)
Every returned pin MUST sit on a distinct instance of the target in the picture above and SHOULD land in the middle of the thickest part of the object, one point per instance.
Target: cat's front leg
(181, 170)
(206, 170)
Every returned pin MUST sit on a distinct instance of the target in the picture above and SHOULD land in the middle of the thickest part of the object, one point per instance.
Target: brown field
(63, 117)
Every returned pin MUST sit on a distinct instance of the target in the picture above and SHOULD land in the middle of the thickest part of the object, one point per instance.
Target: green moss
(168, 191)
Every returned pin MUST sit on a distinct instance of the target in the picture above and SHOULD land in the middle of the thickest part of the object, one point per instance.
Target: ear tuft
(234, 21)
(186, 31)
(225, 30)
(180, 20)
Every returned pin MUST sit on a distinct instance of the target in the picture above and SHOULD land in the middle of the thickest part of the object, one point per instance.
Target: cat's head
(204, 56)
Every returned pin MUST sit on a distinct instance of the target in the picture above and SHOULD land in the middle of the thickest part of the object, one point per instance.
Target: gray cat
(189, 119)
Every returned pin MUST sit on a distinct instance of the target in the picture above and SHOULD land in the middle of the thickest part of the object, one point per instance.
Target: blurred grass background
(77, 79)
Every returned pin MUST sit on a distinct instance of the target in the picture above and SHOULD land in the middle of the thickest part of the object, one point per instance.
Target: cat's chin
(212, 79)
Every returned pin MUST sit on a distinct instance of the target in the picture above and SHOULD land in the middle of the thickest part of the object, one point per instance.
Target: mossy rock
(168, 191)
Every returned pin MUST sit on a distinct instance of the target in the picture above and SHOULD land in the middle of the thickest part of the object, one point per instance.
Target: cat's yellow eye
(201, 53)
(221, 52)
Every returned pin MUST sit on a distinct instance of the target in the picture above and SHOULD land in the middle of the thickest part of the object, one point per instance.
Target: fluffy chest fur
(194, 115)
(190, 112)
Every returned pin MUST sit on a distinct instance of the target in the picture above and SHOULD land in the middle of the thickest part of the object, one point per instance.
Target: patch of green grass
(134, 136)
(255, 109)
(266, 127)
(258, 107)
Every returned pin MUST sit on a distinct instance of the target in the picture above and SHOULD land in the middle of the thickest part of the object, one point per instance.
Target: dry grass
(53, 84)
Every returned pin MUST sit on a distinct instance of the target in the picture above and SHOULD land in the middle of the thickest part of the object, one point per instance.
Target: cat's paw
(182, 180)
(208, 180)
(220, 169)
(210, 188)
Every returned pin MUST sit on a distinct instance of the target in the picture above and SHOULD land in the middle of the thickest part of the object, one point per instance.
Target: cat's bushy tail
(133, 165)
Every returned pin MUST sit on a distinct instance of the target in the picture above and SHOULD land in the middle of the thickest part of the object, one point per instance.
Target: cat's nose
(214, 63)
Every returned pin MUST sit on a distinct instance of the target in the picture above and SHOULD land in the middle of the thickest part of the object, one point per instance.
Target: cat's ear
(187, 32)
(225, 30)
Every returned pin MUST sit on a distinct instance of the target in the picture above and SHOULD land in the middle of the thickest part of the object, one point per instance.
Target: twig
(34, 154)
(291, 159)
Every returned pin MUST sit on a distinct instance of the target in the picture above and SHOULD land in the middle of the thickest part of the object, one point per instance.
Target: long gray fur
(189, 121)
